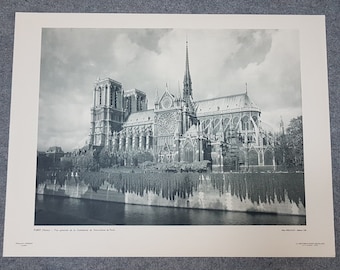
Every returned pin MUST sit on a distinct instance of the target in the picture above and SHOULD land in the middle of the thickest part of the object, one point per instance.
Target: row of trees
(92, 160)
(196, 166)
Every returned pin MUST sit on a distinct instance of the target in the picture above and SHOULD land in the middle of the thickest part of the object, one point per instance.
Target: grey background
(329, 8)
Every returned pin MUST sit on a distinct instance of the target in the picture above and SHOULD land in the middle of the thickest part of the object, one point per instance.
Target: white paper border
(22, 238)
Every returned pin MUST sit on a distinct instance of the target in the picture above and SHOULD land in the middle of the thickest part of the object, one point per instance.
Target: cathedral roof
(192, 131)
(142, 117)
(133, 91)
(226, 104)
(266, 127)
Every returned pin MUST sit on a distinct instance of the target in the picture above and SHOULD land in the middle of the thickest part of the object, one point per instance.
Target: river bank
(57, 210)
(279, 193)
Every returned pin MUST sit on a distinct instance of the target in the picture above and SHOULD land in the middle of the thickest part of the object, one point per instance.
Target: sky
(222, 62)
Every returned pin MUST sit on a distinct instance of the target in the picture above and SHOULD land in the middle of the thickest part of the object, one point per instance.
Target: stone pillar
(97, 96)
(117, 142)
(94, 97)
(140, 143)
(134, 139)
(127, 140)
(201, 149)
(114, 97)
(147, 146)
(184, 123)
(121, 142)
(220, 158)
(179, 122)
(177, 144)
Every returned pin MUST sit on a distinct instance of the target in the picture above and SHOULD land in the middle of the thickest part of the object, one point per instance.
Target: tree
(104, 159)
(44, 162)
(289, 146)
(66, 163)
(86, 160)
(294, 155)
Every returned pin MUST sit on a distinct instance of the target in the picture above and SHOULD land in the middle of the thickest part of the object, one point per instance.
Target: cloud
(275, 83)
(221, 63)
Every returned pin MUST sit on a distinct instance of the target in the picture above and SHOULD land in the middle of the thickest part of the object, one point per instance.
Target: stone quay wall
(208, 193)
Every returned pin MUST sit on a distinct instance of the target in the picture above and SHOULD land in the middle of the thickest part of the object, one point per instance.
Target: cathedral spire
(187, 90)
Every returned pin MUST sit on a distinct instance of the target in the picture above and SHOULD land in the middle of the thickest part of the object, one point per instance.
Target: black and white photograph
(132, 133)
(170, 127)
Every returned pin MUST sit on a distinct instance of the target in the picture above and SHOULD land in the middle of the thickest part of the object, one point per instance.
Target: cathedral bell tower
(107, 113)
(134, 101)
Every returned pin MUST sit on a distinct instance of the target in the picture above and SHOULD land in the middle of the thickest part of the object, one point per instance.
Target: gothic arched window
(115, 93)
(111, 95)
(252, 158)
(188, 153)
(268, 158)
(245, 123)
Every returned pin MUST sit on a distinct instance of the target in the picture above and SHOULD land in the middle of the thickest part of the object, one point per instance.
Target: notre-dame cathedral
(225, 130)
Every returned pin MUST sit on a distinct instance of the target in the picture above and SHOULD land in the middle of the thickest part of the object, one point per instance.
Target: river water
(53, 210)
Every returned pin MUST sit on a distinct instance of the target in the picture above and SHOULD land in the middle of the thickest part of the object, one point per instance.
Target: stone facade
(225, 130)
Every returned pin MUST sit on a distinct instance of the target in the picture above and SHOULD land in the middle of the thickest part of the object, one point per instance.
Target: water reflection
(52, 210)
